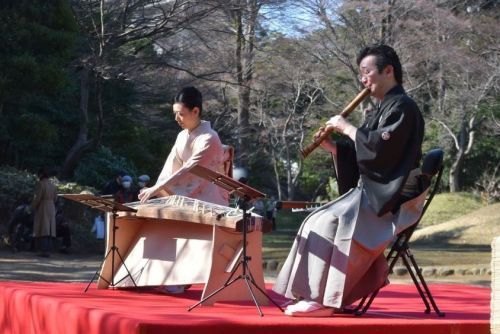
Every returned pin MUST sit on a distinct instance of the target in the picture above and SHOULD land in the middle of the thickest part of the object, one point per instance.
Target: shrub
(99, 167)
(16, 187)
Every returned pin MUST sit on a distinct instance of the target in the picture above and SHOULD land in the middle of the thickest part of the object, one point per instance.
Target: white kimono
(202, 146)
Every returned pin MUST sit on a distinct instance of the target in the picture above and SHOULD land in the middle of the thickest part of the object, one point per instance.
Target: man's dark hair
(190, 97)
(385, 55)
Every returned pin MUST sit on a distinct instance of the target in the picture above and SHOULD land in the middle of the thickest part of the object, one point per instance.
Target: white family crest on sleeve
(386, 135)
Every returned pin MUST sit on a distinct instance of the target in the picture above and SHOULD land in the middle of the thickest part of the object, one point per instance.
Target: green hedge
(16, 187)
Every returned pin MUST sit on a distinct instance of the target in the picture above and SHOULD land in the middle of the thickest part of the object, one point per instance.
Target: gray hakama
(337, 256)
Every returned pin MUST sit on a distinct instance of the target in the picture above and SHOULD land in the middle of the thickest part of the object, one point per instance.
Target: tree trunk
(291, 188)
(239, 78)
(82, 142)
(387, 25)
(289, 176)
(243, 125)
(244, 54)
(464, 143)
(100, 114)
(277, 176)
(454, 177)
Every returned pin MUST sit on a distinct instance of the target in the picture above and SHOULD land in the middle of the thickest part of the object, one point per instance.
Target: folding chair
(432, 170)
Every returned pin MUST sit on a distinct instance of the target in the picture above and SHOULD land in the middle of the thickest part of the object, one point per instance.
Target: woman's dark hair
(384, 55)
(190, 97)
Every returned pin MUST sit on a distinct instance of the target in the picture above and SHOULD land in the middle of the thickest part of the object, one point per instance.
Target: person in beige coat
(44, 226)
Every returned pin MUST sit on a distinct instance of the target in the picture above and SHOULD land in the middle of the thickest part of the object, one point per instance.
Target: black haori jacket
(387, 148)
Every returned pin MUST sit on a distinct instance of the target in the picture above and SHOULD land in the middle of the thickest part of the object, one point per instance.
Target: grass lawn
(448, 206)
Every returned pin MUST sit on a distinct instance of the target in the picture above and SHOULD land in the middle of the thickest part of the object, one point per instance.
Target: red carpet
(47, 308)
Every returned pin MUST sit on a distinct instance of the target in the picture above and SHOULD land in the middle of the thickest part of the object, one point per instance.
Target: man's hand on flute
(327, 144)
(341, 125)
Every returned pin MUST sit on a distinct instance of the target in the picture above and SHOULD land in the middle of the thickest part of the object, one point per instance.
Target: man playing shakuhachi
(197, 143)
(337, 256)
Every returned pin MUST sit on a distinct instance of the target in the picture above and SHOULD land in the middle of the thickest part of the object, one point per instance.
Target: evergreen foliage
(16, 187)
(35, 53)
(97, 168)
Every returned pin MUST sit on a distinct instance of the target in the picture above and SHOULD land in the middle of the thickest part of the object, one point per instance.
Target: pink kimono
(202, 146)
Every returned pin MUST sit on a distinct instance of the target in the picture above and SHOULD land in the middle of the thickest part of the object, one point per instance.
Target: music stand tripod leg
(252, 294)
(96, 274)
(248, 278)
(114, 249)
(230, 280)
(252, 280)
(129, 274)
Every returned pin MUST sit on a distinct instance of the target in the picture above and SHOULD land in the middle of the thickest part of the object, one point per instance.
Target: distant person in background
(63, 229)
(125, 194)
(259, 207)
(240, 174)
(271, 211)
(142, 182)
(44, 226)
(21, 226)
(98, 228)
(114, 185)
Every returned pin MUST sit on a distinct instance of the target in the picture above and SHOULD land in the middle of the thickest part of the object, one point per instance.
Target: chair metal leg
(412, 272)
(361, 308)
(359, 312)
(403, 251)
(426, 288)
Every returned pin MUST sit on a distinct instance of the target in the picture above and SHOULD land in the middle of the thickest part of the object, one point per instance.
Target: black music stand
(245, 194)
(106, 205)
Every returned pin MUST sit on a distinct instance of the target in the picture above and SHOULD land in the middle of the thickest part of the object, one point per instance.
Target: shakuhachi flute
(347, 110)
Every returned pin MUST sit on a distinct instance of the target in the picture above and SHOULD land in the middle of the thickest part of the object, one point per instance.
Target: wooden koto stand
(177, 240)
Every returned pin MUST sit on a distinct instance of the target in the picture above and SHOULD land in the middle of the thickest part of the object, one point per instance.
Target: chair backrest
(432, 168)
(432, 162)
(228, 160)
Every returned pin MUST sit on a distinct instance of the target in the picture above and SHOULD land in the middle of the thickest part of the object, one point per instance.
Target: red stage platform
(48, 308)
